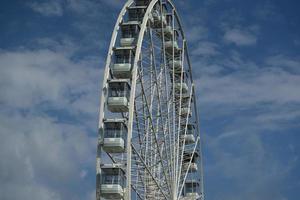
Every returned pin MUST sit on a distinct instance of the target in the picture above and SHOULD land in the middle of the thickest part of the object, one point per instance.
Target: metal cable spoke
(148, 120)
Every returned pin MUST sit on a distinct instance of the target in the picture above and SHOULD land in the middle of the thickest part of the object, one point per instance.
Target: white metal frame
(174, 170)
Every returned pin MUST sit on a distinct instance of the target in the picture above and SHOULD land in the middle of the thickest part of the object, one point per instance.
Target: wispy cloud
(240, 37)
(245, 157)
(43, 75)
(250, 88)
(249, 103)
(38, 86)
(243, 102)
(205, 49)
(59, 7)
(49, 8)
(196, 33)
(284, 62)
(268, 11)
(91, 7)
(114, 3)
(37, 147)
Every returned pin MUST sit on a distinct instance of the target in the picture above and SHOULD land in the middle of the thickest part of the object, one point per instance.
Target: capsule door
(113, 182)
(122, 64)
(129, 34)
(114, 137)
(118, 96)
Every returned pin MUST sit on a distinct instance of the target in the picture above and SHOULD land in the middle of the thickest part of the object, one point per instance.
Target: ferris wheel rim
(134, 74)
(138, 50)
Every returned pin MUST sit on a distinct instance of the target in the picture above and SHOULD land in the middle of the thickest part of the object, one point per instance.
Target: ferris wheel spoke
(166, 103)
(183, 142)
(189, 165)
(160, 103)
(145, 131)
(179, 162)
(153, 130)
(149, 171)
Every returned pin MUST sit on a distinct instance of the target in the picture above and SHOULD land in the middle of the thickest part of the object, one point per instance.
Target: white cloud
(91, 7)
(246, 108)
(251, 88)
(40, 157)
(114, 3)
(80, 6)
(205, 49)
(240, 106)
(87, 7)
(32, 77)
(257, 98)
(284, 62)
(44, 156)
(49, 8)
(45, 144)
(279, 116)
(195, 33)
(244, 161)
(268, 11)
(91, 195)
(240, 37)
(235, 80)
(27, 192)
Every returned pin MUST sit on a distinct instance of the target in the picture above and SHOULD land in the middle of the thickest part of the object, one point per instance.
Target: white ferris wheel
(149, 140)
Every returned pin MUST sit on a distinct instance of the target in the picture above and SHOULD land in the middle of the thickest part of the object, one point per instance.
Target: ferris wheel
(149, 140)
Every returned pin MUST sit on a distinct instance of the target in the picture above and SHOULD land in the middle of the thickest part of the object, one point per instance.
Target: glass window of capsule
(191, 187)
(119, 89)
(113, 176)
(189, 131)
(130, 31)
(123, 56)
(142, 2)
(188, 155)
(178, 77)
(114, 129)
(136, 13)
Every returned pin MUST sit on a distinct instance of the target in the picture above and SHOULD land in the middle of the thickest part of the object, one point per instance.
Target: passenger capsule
(188, 134)
(191, 190)
(171, 44)
(123, 59)
(142, 2)
(188, 157)
(130, 31)
(136, 13)
(118, 95)
(112, 182)
(114, 135)
(159, 18)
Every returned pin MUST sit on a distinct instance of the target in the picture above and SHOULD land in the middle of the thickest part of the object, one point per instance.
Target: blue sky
(245, 56)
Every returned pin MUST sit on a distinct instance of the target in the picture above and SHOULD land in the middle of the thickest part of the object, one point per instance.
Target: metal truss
(160, 110)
